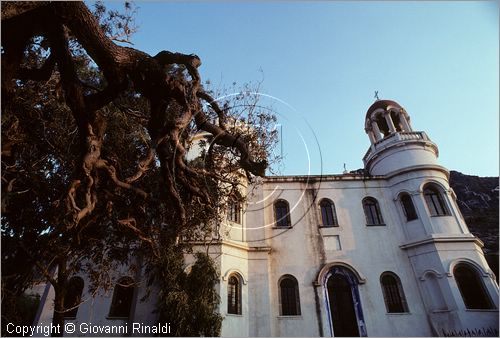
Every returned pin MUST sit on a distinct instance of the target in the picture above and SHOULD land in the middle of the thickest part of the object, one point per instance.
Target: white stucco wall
(262, 254)
(420, 252)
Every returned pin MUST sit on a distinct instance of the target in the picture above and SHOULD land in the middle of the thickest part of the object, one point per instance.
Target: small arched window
(73, 296)
(289, 296)
(394, 297)
(123, 295)
(435, 201)
(282, 214)
(372, 212)
(408, 207)
(234, 211)
(234, 295)
(328, 214)
(471, 287)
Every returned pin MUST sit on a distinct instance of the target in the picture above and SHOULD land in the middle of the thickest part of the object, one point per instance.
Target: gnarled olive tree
(94, 145)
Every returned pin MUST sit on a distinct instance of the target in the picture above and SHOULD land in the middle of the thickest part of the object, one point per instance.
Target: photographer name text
(87, 328)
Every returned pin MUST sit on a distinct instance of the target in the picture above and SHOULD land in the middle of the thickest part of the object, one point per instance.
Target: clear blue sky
(324, 60)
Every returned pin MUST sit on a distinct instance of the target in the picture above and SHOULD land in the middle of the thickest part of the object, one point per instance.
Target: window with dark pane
(435, 202)
(282, 214)
(328, 215)
(73, 297)
(289, 293)
(472, 288)
(122, 298)
(234, 212)
(372, 212)
(408, 208)
(234, 296)
(395, 301)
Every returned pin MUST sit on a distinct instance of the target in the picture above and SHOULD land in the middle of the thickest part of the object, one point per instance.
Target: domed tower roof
(394, 144)
(381, 104)
(377, 112)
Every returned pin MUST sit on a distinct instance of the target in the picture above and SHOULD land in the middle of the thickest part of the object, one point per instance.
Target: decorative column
(403, 117)
(390, 123)
(370, 136)
(376, 131)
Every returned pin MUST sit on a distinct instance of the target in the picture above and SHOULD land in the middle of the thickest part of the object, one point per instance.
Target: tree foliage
(187, 300)
(95, 143)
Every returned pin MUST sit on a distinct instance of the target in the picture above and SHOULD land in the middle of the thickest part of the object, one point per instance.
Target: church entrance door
(342, 301)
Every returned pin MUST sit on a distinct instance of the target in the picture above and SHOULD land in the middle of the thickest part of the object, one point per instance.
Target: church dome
(384, 118)
(381, 104)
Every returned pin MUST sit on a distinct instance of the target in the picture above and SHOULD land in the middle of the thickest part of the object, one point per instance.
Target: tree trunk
(58, 317)
(60, 293)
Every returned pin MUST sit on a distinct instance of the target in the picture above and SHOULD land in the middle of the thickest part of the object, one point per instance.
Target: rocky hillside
(477, 198)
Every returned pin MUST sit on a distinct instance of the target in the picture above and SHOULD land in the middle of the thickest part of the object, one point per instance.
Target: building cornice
(417, 168)
(442, 239)
(321, 178)
(353, 177)
(237, 245)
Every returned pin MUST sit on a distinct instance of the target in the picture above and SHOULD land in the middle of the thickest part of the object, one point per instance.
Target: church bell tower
(395, 147)
(437, 240)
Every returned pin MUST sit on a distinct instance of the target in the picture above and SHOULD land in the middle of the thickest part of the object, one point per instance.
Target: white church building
(379, 252)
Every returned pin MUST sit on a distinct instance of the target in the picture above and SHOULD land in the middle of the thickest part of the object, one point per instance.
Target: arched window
(282, 214)
(234, 211)
(471, 287)
(394, 297)
(122, 298)
(372, 212)
(73, 296)
(234, 295)
(435, 202)
(408, 208)
(289, 296)
(328, 214)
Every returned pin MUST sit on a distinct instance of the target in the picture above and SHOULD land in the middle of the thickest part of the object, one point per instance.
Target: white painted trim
(237, 272)
(326, 268)
(431, 271)
(479, 268)
(442, 239)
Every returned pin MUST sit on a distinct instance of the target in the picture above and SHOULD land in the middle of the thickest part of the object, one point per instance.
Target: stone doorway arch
(343, 304)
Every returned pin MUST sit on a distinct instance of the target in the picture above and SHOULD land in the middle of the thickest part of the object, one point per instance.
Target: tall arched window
(234, 295)
(471, 287)
(394, 297)
(122, 298)
(282, 214)
(289, 296)
(234, 211)
(328, 214)
(73, 296)
(435, 201)
(372, 211)
(408, 208)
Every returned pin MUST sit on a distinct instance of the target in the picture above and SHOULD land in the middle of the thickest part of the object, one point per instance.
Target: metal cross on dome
(376, 95)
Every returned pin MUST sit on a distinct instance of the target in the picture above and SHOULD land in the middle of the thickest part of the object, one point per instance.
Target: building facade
(380, 252)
